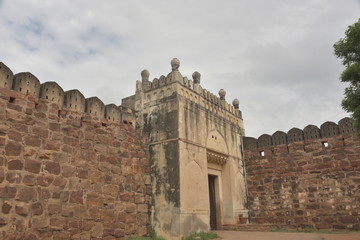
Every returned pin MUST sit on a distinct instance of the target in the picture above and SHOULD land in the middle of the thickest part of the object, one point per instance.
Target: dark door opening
(212, 197)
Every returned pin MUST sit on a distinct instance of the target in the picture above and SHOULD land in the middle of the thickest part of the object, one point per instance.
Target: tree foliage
(348, 50)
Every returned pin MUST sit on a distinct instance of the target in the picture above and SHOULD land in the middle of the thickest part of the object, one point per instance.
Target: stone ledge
(249, 227)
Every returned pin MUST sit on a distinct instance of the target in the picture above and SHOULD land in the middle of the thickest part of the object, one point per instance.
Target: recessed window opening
(11, 100)
(325, 144)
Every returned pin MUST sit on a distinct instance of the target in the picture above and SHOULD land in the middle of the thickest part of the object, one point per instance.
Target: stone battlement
(191, 90)
(28, 84)
(310, 132)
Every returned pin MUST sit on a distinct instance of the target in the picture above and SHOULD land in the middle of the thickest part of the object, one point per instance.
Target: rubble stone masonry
(309, 183)
(69, 175)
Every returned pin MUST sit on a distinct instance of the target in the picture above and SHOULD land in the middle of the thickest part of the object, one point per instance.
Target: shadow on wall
(310, 132)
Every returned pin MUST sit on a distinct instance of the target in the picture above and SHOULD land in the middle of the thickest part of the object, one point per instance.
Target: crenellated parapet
(112, 113)
(28, 84)
(6, 76)
(310, 132)
(95, 107)
(148, 92)
(53, 92)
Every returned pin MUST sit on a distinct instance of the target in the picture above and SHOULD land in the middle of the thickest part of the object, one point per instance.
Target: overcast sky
(275, 56)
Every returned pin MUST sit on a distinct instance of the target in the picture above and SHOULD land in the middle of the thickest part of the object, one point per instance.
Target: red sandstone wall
(64, 175)
(304, 184)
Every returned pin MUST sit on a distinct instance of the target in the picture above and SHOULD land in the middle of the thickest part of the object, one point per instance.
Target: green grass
(201, 236)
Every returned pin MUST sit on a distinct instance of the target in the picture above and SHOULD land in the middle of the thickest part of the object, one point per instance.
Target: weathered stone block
(348, 219)
(22, 209)
(76, 197)
(6, 207)
(29, 180)
(80, 211)
(68, 171)
(52, 145)
(60, 182)
(37, 208)
(32, 165)
(142, 208)
(2, 174)
(54, 208)
(44, 180)
(12, 149)
(26, 194)
(97, 230)
(52, 167)
(13, 177)
(32, 140)
(39, 222)
(15, 135)
(67, 211)
(7, 192)
(15, 165)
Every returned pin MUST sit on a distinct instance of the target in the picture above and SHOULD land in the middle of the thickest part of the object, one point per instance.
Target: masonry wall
(69, 175)
(306, 182)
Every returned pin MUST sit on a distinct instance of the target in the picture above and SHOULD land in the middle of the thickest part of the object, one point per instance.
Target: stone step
(252, 227)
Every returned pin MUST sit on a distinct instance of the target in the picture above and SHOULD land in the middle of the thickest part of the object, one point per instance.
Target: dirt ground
(236, 235)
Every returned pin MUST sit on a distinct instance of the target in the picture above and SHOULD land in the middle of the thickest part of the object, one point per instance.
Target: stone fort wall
(305, 178)
(70, 167)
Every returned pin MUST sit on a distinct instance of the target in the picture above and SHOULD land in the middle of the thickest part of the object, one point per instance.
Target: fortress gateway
(194, 140)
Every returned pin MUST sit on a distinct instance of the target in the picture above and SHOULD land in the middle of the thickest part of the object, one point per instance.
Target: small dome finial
(196, 77)
(236, 103)
(222, 94)
(175, 64)
(145, 75)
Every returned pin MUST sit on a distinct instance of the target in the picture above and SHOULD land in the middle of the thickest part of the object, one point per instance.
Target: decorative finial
(175, 64)
(222, 94)
(196, 77)
(145, 75)
(236, 103)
